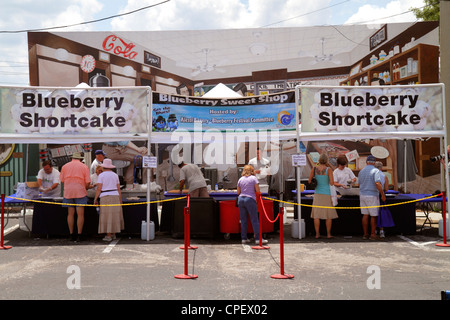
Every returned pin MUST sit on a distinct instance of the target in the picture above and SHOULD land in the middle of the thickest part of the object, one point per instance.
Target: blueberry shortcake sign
(372, 109)
(73, 111)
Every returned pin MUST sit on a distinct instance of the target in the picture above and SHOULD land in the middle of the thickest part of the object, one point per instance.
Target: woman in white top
(108, 189)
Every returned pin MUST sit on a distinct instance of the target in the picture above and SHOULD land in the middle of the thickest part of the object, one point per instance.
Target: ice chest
(230, 218)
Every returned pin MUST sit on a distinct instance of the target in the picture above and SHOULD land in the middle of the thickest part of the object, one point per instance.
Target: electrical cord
(85, 22)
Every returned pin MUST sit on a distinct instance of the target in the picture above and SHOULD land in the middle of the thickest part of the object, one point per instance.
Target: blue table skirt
(13, 201)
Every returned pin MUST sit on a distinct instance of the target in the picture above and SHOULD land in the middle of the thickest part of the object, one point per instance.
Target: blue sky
(177, 15)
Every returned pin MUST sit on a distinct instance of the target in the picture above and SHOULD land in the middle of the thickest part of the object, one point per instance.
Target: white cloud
(176, 15)
(391, 11)
(29, 14)
(214, 14)
(74, 12)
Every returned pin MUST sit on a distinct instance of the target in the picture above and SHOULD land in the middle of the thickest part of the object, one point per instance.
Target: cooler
(230, 218)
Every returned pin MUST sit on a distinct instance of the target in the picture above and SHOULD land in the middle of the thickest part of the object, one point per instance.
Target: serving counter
(51, 219)
(349, 221)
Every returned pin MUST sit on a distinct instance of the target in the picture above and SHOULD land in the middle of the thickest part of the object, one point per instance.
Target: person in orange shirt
(76, 178)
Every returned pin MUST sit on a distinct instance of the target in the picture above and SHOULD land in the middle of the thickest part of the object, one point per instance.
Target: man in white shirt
(99, 157)
(48, 180)
(192, 174)
(343, 177)
(261, 166)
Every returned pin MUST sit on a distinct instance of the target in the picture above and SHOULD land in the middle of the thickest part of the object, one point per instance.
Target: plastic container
(409, 69)
(415, 67)
(396, 49)
(382, 55)
(144, 230)
(295, 228)
(441, 228)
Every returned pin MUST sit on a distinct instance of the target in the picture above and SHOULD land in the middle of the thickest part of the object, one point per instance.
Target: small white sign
(298, 160)
(149, 162)
(87, 63)
(352, 155)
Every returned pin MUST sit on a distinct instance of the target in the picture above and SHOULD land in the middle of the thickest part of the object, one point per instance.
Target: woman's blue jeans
(247, 207)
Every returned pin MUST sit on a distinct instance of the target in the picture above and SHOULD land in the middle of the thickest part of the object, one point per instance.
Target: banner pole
(281, 275)
(298, 171)
(149, 128)
(187, 224)
(446, 172)
(186, 228)
(444, 221)
(2, 247)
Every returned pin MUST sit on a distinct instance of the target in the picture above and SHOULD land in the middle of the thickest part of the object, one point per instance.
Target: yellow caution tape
(384, 205)
(94, 205)
(179, 198)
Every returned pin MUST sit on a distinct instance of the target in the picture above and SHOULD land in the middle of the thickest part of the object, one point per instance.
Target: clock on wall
(6, 151)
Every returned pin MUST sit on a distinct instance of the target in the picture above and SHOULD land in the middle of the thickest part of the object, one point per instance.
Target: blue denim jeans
(247, 207)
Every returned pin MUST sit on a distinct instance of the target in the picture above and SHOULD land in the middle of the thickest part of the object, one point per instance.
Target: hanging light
(61, 54)
(258, 49)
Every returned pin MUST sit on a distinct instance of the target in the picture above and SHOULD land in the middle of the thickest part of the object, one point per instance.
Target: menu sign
(151, 59)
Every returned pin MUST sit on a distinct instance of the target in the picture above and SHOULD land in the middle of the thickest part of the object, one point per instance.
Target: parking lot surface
(342, 268)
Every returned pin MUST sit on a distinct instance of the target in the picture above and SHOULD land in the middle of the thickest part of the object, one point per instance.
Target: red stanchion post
(282, 275)
(2, 247)
(187, 226)
(444, 222)
(186, 246)
(260, 246)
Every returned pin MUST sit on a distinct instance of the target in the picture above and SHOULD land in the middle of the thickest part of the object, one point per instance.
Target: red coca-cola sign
(119, 47)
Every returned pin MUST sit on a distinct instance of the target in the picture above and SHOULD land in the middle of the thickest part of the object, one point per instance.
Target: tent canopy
(221, 91)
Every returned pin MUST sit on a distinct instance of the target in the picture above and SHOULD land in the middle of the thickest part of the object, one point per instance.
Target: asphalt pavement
(408, 267)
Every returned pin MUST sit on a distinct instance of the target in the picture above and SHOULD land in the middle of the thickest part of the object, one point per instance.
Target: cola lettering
(118, 46)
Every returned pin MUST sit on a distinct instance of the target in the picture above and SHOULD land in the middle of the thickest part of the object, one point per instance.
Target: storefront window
(119, 81)
(53, 73)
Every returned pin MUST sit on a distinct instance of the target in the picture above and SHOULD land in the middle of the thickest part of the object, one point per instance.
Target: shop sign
(378, 38)
(268, 112)
(74, 111)
(119, 47)
(151, 59)
(372, 109)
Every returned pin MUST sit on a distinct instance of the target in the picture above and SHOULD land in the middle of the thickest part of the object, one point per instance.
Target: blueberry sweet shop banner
(266, 112)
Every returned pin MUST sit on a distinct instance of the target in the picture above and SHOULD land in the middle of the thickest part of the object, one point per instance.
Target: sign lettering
(119, 47)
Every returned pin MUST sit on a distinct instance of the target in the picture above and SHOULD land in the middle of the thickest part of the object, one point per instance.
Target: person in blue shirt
(370, 188)
(322, 196)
